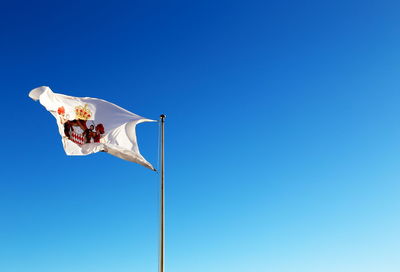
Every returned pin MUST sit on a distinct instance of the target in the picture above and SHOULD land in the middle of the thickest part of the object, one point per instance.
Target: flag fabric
(89, 125)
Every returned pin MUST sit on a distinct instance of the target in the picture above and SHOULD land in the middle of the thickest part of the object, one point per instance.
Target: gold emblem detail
(83, 113)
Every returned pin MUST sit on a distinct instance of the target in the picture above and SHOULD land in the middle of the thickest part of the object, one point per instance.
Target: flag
(89, 125)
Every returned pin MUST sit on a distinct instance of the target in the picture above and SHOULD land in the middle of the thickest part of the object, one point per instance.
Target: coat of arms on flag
(78, 130)
(89, 125)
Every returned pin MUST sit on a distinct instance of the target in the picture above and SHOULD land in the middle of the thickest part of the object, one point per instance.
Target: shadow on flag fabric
(89, 125)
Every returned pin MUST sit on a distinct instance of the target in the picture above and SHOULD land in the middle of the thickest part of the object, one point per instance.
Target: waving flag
(89, 125)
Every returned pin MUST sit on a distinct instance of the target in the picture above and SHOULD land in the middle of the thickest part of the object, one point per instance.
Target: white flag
(89, 125)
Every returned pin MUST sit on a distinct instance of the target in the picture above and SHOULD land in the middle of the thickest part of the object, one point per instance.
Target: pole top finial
(162, 116)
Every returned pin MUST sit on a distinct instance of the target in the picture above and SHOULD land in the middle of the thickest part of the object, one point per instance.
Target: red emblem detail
(61, 110)
(87, 135)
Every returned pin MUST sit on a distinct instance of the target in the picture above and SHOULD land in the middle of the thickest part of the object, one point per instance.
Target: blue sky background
(282, 136)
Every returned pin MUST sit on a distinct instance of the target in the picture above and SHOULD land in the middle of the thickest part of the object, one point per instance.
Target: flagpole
(162, 238)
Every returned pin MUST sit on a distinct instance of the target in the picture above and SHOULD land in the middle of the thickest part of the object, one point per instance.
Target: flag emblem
(77, 130)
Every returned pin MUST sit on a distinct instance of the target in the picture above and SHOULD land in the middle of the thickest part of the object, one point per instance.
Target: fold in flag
(89, 125)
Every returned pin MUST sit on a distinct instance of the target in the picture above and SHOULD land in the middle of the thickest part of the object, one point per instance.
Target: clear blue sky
(282, 136)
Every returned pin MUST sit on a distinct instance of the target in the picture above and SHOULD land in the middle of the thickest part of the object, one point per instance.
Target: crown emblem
(82, 113)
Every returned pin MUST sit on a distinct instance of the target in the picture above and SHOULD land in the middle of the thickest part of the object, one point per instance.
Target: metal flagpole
(162, 239)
